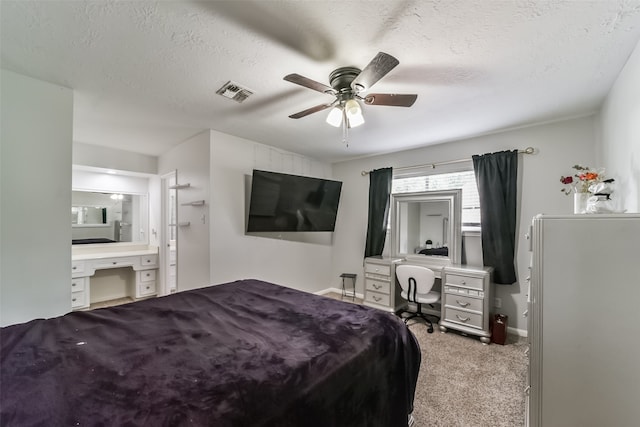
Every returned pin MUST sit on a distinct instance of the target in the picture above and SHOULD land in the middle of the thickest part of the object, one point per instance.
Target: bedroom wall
(35, 157)
(191, 161)
(234, 255)
(620, 137)
(559, 146)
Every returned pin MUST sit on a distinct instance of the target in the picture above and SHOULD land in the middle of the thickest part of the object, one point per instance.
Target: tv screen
(283, 202)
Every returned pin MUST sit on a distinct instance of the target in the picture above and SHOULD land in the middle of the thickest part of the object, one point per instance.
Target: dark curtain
(379, 192)
(496, 176)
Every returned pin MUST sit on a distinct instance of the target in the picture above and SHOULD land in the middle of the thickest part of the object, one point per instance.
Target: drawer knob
(462, 303)
(148, 287)
(114, 262)
(464, 282)
(148, 274)
(74, 267)
(73, 300)
(375, 285)
(73, 285)
(463, 319)
(377, 298)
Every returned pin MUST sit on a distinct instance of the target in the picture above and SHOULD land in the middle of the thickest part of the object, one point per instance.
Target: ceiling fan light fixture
(354, 113)
(335, 117)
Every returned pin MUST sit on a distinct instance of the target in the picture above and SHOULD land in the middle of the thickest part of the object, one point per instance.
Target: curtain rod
(528, 150)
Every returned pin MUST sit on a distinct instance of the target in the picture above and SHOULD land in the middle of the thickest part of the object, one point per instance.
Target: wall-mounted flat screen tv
(283, 202)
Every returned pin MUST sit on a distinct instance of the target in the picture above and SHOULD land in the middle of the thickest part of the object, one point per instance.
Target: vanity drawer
(149, 260)
(78, 299)
(380, 286)
(462, 302)
(470, 282)
(113, 263)
(147, 275)
(146, 288)
(377, 298)
(77, 267)
(466, 318)
(77, 285)
(383, 270)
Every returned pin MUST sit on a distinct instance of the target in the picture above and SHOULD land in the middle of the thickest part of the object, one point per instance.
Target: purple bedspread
(247, 353)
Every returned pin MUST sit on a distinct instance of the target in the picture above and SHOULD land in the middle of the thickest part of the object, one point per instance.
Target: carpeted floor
(463, 383)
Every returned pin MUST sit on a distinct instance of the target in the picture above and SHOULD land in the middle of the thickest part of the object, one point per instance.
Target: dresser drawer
(148, 275)
(472, 320)
(462, 302)
(377, 298)
(78, 299)
(380, 286)
(470, 282)
(149, 260)
(383, 270)
(77, 267)
(78, 284)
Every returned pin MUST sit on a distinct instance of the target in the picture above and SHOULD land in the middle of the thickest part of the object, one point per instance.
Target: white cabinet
(380, 290)
(465, 297)
(143, 262)
(583, 321)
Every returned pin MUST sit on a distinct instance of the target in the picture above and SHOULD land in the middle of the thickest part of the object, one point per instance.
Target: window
(465, 180)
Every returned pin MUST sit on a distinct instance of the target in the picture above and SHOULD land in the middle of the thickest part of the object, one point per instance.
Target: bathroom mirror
(103, 217)
(426, 226)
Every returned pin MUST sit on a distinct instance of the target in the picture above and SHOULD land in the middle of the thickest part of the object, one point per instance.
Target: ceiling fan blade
(390, 99)
(308, 83)
(374, 71)
(311, 110)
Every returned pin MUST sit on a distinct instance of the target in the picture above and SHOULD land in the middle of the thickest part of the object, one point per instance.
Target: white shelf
(194, 203)
(179, 186)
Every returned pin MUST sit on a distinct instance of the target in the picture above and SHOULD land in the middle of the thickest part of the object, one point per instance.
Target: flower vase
(580, 202)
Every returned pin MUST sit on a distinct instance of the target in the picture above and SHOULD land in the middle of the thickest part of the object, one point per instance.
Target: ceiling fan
(348, 85)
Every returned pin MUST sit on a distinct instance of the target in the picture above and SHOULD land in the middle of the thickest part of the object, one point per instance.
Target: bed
(245, 353)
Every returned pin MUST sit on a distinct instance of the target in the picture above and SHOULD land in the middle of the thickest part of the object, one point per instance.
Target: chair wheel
(430, 330)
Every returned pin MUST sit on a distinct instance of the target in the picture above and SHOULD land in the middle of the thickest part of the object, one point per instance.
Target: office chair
(416, 282)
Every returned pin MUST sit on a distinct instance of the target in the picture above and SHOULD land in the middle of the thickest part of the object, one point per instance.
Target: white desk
(86, 260)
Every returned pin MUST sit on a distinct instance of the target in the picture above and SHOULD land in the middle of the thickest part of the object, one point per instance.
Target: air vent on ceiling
(234, 91)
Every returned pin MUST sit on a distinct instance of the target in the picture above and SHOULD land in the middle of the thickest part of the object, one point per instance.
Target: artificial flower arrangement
(586, 180)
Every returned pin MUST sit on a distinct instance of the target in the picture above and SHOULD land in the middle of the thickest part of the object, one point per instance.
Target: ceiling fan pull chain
(345, 128)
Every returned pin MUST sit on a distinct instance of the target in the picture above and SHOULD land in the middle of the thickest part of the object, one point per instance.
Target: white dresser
(85, 261)
(380, 290)
(465, 297)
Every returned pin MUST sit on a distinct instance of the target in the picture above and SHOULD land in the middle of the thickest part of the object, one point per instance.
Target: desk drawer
(78, 284)
(77, 267)
(380, 286)
(149, 260)
(377, 298)
(147, 275)
(78, 299)
(470, 282)
(113, 263)
(147, 288)
(462, 302)
(472, 320)
(383, 270)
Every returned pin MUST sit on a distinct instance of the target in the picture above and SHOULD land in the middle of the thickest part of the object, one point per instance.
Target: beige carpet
(465, 383)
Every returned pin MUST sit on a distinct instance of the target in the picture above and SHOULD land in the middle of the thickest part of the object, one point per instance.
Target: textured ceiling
(145, 73)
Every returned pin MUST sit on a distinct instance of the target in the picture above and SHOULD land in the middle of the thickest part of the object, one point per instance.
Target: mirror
(102, 217)
(426, 226)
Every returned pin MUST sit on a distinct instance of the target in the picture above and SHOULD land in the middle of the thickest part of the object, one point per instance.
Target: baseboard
(336, 291)
(518, 332)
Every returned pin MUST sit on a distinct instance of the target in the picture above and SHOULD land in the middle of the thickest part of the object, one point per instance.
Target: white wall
(35, 254)
(620, 139)
(234, 255)
(559, 146)
(191, 161)
(111, 158)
